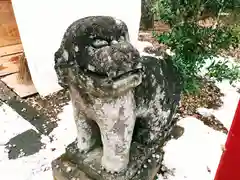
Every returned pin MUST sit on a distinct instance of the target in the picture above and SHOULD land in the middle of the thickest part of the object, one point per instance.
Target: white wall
(42, 24)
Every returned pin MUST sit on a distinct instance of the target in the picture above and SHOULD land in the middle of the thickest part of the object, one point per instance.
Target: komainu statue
(116, 94)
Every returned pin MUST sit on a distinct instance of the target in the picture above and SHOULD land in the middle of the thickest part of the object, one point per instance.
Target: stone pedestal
(144, 164)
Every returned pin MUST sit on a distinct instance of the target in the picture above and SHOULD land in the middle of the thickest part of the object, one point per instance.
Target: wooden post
(229, 166)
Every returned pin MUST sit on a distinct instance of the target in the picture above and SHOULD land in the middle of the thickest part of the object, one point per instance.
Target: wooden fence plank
(9, 50)
(9, 64)
(23, 90)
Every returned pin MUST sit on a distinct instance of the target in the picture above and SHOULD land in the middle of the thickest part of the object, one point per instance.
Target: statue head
(97, 55)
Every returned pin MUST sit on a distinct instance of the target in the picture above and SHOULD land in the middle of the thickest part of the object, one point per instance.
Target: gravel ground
(50, 105)
(209, 97)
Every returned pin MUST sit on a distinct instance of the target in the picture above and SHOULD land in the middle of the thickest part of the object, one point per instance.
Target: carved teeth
(132, 80)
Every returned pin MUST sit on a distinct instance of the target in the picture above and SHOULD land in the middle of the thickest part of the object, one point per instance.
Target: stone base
(73, 165)
(65, 170)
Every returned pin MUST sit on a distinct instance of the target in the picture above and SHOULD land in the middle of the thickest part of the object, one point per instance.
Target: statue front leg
(117, 135)
(85, 140)
(85, 127)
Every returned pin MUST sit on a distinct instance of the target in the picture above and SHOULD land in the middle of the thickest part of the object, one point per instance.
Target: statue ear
(61, 67)
(122, 27)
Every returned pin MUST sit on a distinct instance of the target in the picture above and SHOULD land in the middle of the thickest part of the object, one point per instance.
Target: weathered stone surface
(156, 99)
(111, 88)
(144, 164)
(101, 68)
(65, 170)
(99, 45)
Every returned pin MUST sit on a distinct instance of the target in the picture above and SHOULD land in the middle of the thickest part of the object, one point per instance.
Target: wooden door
(10, 43)
(9, 34)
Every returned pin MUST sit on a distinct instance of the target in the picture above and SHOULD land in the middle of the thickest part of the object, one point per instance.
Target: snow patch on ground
(11, 124)
(195, 155)
(226, 112)
(37, 166)
(66, 131)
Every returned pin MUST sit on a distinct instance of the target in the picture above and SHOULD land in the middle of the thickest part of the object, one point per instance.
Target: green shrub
(193, 44)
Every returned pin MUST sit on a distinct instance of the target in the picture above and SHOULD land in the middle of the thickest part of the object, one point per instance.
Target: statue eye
(97, 43)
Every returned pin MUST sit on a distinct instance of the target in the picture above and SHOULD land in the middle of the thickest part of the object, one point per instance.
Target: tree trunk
(147, 18)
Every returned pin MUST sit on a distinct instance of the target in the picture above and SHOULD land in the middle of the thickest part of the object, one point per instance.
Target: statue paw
(114, 165)
(110, 172)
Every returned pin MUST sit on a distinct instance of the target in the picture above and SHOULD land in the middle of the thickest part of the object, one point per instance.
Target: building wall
(42, 24)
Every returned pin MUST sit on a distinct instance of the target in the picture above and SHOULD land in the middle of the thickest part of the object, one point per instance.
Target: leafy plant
(221, 70)
(192, 44)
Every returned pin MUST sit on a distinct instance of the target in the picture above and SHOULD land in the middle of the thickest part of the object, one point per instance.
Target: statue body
(116, 95)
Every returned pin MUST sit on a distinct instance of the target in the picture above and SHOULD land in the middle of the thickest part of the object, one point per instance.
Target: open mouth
(102, 76)
(130, 78)
(127, 74)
